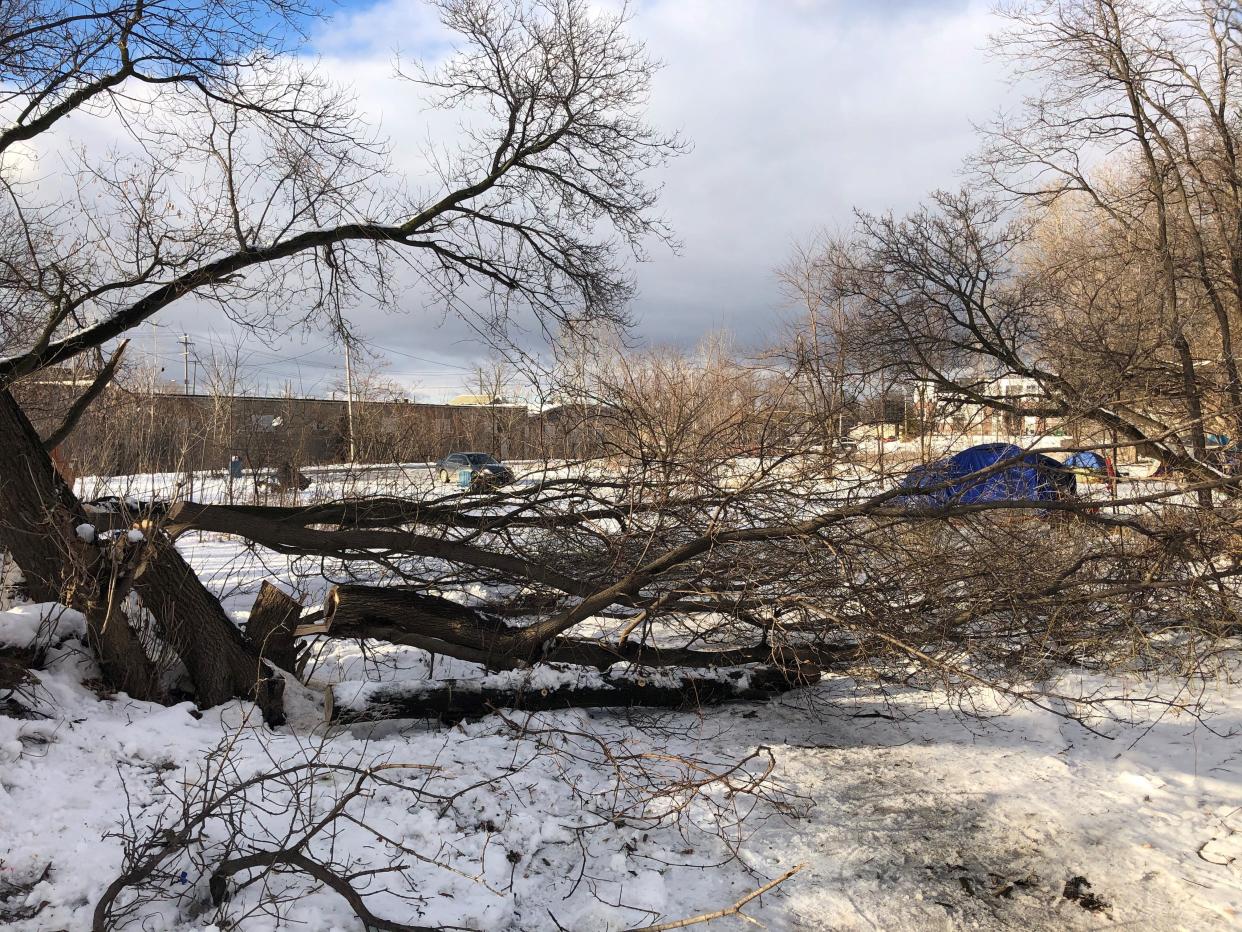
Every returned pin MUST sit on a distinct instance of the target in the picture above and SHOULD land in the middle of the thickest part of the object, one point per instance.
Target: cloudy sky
(798, 111)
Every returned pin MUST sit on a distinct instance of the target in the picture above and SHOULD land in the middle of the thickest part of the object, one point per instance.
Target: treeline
(125, 432)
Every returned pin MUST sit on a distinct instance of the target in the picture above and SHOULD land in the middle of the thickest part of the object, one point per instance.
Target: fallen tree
(796, 573)
(453, 701)
(537, 207)
(859, 583)
(294, 538)
(441, 626)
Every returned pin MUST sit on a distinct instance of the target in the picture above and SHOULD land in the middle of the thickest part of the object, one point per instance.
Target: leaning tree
(158, 153)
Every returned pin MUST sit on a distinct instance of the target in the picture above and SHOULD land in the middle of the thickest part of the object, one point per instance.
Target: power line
(275, 355)
(446, 365)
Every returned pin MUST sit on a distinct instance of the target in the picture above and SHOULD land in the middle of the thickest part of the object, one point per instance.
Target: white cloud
(798, 114)
(798, 111)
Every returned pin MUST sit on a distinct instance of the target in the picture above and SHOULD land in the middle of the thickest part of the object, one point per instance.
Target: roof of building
(478, 400)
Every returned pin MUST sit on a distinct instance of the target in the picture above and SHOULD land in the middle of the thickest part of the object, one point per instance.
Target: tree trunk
(439, 626)
(1194, 407)
(452, 701)
(222, 664)
(271, 626)
(40, 518)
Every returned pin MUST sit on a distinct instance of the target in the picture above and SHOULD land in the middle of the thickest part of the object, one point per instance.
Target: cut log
(454, 701)
(273, 620)
(403, 616)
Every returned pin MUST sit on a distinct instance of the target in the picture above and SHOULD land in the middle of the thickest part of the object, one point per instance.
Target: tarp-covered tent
(1090, 460)
(1093, 466)
(1029, 476)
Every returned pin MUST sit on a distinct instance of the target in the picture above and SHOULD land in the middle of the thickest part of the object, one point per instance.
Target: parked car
(484, 468)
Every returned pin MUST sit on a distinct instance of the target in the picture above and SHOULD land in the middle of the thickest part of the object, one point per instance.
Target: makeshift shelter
(1090, 462)
(1025, 476)
(1093, 467)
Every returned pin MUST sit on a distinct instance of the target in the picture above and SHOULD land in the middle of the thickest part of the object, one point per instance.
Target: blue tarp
(1030, 477)
(1087, 459)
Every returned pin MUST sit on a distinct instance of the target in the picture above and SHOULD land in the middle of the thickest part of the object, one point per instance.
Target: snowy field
(902, 811)
(905, 817)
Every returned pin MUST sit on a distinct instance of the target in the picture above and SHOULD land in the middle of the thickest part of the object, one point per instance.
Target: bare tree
(245, 181)
(719, 532)
(1150, 90)
(293, 183)
(818, 346)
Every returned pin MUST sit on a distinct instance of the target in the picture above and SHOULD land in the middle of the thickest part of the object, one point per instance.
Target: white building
(1020, 391)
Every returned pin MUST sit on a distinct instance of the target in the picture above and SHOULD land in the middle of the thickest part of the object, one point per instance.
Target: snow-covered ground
(906, 817)
(904, 812)
(328, 483)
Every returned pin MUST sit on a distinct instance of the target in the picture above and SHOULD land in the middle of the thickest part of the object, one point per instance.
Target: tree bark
(39, 522)
(439, 626)
(41, 516)
(222, 664)
(1194, 406)
(454, 702)
(271, 626)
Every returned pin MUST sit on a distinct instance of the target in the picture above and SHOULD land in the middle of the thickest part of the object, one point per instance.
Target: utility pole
(349, 399)
(185, 353)
(155, 356)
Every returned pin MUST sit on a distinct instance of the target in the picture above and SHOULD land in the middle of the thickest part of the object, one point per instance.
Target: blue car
(485, 469)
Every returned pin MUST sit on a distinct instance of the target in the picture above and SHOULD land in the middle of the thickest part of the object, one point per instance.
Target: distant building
(951, 413)
(466, 401)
